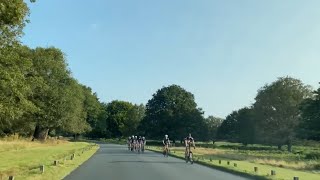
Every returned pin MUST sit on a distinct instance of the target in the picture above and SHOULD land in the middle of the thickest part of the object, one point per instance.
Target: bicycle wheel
(190, 157)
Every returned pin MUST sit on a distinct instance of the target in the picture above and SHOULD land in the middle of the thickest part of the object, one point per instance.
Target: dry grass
(299, 165)
(261, 158)
(21, 157)
(285, 169)
(14, 143)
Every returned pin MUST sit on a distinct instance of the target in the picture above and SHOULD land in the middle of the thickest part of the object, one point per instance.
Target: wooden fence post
(56, 162)
(72, 156)
(255, 169)
(42, 169)
(273, 172)
(219, 161)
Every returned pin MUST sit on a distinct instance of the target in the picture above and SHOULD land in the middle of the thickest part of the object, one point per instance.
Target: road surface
(115, 162)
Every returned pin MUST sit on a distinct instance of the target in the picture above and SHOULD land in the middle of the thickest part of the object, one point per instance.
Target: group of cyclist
(136, 143)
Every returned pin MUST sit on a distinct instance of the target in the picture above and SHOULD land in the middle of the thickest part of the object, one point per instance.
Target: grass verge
(22, 159)
(244, 168)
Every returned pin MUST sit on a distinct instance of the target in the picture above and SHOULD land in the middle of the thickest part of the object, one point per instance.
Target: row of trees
(38, 95)
(283, 111)
(172, 111)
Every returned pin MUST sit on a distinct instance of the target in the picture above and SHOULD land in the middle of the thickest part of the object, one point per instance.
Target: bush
(313, 155)
(316, 167)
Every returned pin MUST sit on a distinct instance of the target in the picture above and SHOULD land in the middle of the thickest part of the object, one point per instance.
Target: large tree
(277, 110)
(173, 111)
(213, 123)
(14, 63)
(15, 87)
(239, 126)
(229, 128)
(14, 15)
(92, 106)
(311, 117)
(134, 116)
(75, 113)
(246, 126)
(49, 92)
(117, 116)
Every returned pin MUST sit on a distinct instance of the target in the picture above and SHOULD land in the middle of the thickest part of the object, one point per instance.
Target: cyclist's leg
(168, 150)
(186, 152)
(186, 155)
(190, 155)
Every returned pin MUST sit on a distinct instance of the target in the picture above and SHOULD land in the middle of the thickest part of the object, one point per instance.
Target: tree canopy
(311, 117)
(173, 111)
(277, 110)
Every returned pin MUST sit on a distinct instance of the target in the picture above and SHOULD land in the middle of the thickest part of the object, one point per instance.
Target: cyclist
(135, 143)
(139, 143)
(132, 142)
(189, 141)
(129, 142)
(143, 143)
(166, 143)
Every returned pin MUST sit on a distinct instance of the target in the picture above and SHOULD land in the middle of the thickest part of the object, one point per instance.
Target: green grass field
(266, 158)
(22, 158)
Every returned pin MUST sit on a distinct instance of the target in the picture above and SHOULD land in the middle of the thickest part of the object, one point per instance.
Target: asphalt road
(115, 162)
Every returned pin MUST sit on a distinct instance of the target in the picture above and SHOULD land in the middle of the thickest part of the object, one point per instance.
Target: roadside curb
(96, 150)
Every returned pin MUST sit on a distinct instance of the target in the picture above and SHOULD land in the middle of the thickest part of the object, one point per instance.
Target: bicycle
(129, 145)
(143, 143)
(139, 147)
(142, 147)
(166, 150)
(188, 154)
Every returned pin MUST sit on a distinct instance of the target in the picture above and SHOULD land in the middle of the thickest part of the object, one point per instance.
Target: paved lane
(115, 162)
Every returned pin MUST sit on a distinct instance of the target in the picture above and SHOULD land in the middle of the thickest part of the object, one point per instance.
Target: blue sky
(221, 51)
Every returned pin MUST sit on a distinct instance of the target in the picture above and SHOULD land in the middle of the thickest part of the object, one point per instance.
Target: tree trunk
(279, 147)
(289, 146)
(75, 137)
(40, 134)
